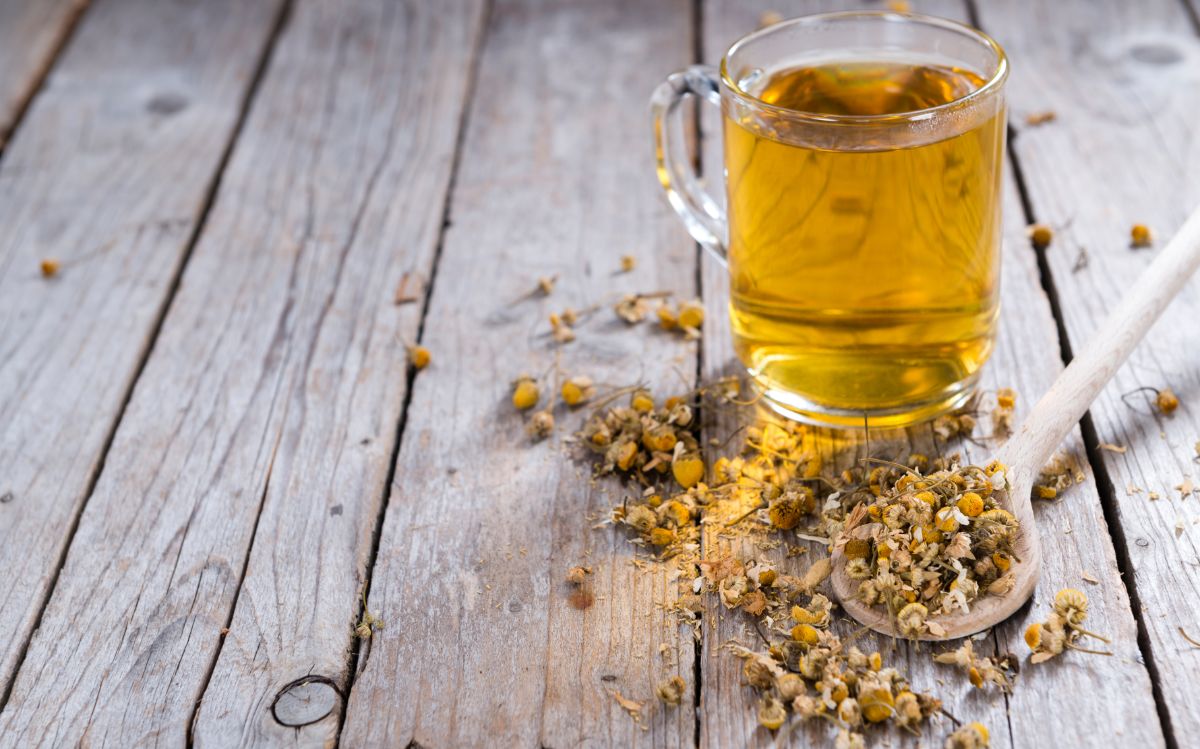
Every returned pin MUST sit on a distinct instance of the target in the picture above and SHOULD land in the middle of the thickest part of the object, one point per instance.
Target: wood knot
(166, 104)
(1156, 54)
(305, 701)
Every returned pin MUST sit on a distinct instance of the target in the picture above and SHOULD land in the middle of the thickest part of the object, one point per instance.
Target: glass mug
(862, 162)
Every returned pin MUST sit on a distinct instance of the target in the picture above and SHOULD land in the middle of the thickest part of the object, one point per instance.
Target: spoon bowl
(1042, 431)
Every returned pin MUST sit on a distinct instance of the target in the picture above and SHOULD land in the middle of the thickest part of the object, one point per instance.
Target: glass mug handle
(703, 216)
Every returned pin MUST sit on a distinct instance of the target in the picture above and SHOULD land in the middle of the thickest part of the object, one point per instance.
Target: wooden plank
(109, 175)
(301, 593)
(277, 383)
(481, 646)
(1122, 80)
(1054, 704)
(30, 36)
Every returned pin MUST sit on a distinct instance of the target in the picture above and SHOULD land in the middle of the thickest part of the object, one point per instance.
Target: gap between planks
(357, 660)
(73, 22)
(156, 328)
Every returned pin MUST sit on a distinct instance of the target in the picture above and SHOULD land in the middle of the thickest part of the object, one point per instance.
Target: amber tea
(861, 226)
(864, 279)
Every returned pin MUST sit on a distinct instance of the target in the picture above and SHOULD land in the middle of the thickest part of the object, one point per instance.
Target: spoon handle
(1087, 374)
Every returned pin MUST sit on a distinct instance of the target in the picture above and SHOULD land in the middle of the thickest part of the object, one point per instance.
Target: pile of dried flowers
(930, 543)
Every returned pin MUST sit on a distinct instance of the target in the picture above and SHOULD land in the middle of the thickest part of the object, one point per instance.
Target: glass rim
(990, 86)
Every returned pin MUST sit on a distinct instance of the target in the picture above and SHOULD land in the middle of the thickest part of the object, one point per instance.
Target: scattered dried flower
(1140, 236)
(577, 390)
(578, 575)
(50, 267)
(632, 308)
(979, 670)
(970, 736)
(1061, 473)
(671, 691)
(1041, 236)
(1062, 629)
(545, 285)
(1033, 119)
(525, 393)
(1166, 401)
(628, 263)
(1002, 414)
(769, 18)
(541, 425)
(419, 357)
(560, 326)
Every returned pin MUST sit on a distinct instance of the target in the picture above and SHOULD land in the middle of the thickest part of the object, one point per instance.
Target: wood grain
(30, 36)
(277, 381)
(1048, 707)
(109, 180)
(1122, 150)
(371, 198)
(481, 645)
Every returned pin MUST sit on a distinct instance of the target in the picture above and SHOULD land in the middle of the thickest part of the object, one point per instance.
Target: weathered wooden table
(210, 439)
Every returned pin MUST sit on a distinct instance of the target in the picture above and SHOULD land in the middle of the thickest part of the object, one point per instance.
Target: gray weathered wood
(277, 382)
(371, 198)
(107, 178)
(1025, 359)
(481, 646)
(30, 35)
(1125, 85)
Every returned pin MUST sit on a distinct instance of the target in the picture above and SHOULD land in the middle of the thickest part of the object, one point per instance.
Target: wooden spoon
(1043, 430)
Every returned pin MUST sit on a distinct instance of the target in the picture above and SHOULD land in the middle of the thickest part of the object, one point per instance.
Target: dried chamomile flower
(1058, 475)
(577, 391)
(541, 425)
(667, 319)
(578, 575)
(560, 326)
(1002, 414)
(687, 468)
(771, 713)
(525, 393)
(691, 314)
(632, 308)
(628, 263)
(787, 510)
(899, 6)
(1041, 236)
(545, 285)
(1062, 629)
(50, 267)
(970, 736)
(816, 613)
(1071, 605)
(979, 670)
(769, 18)
(1140, 236)
(419, 357)
(1166, 401)
(1033, 119)
(368, 623)
(876, 700)
(949, 426)
(671, 690)
(911, 620)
